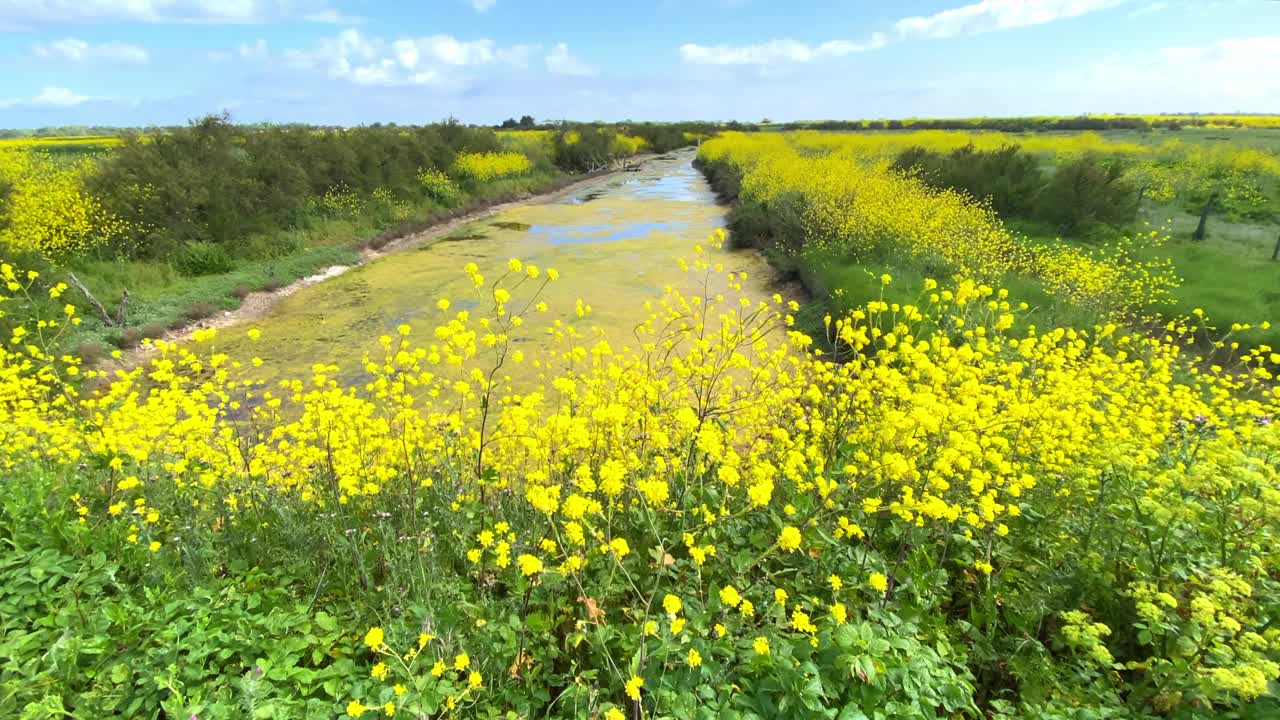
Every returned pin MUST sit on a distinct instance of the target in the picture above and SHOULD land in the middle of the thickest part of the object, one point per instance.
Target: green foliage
(202, 258)
(1078, 198)
(438, 186)
(1009, 177)
(582, 150)
(217, 182)
(89, 630)
(1085, 193)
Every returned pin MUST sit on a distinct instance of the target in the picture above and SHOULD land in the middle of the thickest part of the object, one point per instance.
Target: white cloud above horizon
(993, 15)
(49, 96)
(58, 97)
(75, 50)
(775, 51)
(560, 61)
(1231, 69)
(980, 17)
(366, 59)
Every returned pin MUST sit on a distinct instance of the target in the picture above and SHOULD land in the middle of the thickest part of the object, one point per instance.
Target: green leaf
(852, 712)
(326, 621)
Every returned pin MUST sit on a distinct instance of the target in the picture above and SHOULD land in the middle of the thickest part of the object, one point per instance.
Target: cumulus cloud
(371, 60)
(54, 96)
(979, 17)
(561, 61)
(78, 51)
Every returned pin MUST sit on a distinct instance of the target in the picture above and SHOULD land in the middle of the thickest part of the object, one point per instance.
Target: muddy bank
(258, 305)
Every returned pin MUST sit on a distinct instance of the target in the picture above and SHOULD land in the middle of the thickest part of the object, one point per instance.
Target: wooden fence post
(1198, 235)
(1276, 253)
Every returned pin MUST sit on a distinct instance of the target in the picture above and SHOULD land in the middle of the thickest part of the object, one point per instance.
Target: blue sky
(130, 62)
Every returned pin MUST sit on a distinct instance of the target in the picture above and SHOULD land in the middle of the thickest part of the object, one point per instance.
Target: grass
(840, 284)
(160, 297)
(1230, 275)
(1253, 138)
(1229, 285)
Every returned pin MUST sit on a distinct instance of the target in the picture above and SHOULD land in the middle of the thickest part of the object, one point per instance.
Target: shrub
(484, 167)
(438, 186)
(203, 259)
(817, 195)
(196, 312)
(1008, 177)
(132, 337)
(1086, 192)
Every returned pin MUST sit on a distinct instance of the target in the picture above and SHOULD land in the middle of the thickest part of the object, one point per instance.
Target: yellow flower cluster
(712, 441)
(483, 167)
(627, 145)
(438, 186)
(47, 210)
(419, 680)
(852, 203)
(76, 141)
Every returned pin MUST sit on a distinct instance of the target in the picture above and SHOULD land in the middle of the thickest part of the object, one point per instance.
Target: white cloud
(371, 60)
(991, 15)
(775, 51)
(979, 17)
(451, 51)
(1232, 70)
(25, 14)
(482, 5)
(58, 97)
(329, 16)
(78, 51)
(407, 53)
(562, 62)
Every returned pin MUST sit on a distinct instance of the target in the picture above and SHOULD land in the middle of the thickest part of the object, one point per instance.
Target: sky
(350, 62)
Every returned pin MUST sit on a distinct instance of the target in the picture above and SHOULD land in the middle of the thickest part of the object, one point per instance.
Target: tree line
(217, 183)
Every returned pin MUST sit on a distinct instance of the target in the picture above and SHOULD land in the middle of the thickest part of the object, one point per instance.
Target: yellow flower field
(851, 203)
(709, 500)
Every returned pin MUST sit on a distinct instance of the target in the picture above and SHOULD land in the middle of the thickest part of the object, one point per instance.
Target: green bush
(202, 258)
(1008, 177)
(1086, 197)
(215, 182)
(1085, 193)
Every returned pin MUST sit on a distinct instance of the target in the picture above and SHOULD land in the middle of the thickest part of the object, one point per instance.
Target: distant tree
(509, 124)
(527, 121)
